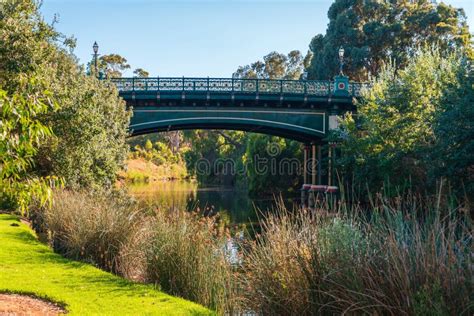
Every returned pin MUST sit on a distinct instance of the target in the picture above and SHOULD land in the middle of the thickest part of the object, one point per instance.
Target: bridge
(303, 110)
(295, 109)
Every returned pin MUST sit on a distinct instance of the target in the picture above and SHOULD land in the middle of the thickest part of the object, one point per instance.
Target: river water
(233, 205)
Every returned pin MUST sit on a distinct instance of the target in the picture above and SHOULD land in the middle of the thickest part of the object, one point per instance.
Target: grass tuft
(187, 257)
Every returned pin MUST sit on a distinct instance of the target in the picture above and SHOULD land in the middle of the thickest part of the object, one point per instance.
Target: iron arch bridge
(302, 110)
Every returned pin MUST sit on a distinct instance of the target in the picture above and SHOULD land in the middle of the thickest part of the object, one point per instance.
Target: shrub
(135, 176)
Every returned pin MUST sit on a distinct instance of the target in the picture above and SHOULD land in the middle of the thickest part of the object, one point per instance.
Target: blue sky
(194, 37)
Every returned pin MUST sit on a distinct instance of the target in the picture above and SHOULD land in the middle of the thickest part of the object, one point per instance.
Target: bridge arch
(304, 126)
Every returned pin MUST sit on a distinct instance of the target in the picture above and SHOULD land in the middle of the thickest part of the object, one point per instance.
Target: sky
(194, 38)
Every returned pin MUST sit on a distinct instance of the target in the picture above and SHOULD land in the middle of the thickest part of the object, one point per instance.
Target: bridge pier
(305, 188)
(316, 190)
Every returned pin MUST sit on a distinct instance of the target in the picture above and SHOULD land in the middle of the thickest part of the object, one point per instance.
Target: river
(233, 205)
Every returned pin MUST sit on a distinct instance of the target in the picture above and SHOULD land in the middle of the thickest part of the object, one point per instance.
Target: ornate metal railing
(167, 84)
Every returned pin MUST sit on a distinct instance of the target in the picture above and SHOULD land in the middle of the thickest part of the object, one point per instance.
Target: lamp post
(95, 47)
(341, 60)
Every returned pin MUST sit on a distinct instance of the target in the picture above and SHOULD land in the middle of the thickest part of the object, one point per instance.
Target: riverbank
(139, 170)
(30, 267)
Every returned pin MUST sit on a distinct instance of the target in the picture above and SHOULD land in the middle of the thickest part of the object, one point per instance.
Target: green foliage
(275, 66)
(91, 129)
(452, 155)
(23, 99)
(48, 275)
(141, 140)
(90, 122)
(20, 134)
(156, 161)
(213, 147)
(135, 176)
(148, 145)
(375, 32)
(393, 130)
(25, 45)
(159, 153)
(272, 163)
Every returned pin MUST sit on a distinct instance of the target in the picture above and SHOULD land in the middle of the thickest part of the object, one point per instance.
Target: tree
(111, 65)
(148, 145)
(388, 140)
(270, 163)
(452, 156)
(141, 73)
(24, 41)
(89, 120)
(374, 32)
(91, 127)
(275, 66)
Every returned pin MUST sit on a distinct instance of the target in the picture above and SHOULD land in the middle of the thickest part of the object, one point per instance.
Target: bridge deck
(228, 85)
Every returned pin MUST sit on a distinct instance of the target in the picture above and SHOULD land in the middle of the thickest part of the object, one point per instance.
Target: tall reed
(92, 227)
(187, 257)
(405, 256)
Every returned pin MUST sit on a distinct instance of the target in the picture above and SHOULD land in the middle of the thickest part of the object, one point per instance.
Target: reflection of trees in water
(233, 206)
(192, 202)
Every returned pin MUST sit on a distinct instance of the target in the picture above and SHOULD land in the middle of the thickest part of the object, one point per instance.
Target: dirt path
(21, 305)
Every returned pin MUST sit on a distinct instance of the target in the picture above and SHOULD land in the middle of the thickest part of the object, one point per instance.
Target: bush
(92, 227)
(187, 257)
(396, 136)
(408, 256)
(135, 176)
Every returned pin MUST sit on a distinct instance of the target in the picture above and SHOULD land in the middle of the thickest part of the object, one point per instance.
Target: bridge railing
(169, 84)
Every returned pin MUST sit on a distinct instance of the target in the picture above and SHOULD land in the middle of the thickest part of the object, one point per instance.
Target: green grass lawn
(28, 266)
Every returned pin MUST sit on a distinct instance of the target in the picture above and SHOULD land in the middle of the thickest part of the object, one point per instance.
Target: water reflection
(232, 204)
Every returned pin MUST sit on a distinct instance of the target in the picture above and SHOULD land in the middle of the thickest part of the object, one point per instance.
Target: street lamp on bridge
(95, 48)
(341, 60)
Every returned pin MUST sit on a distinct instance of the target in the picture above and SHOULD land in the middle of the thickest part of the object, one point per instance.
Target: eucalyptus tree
(275, 66)
(113, 65)
(374, 32)
(141, 73)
